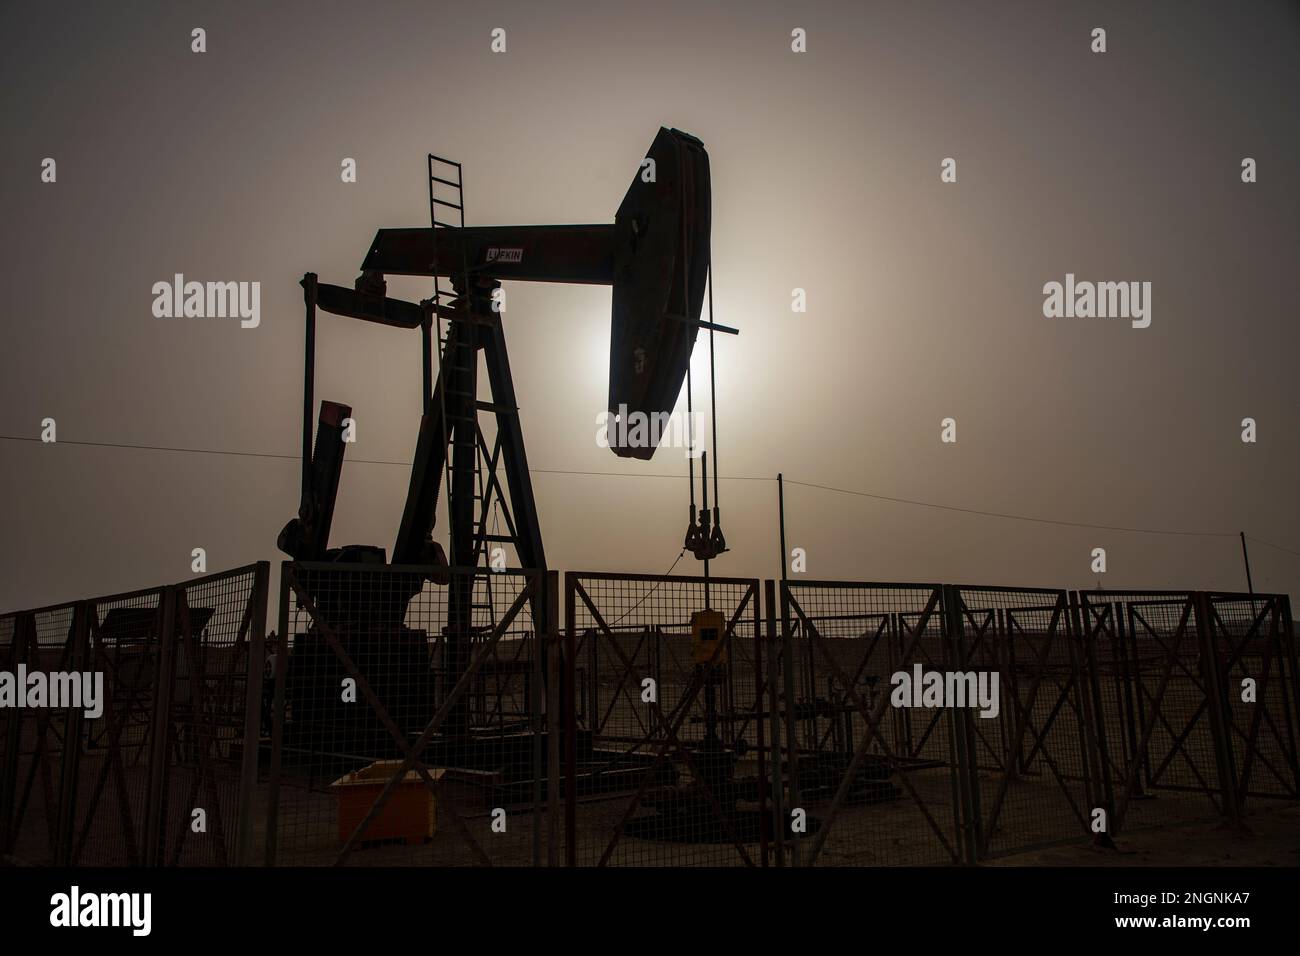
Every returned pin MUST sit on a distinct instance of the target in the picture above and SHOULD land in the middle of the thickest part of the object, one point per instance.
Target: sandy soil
(1270, 837)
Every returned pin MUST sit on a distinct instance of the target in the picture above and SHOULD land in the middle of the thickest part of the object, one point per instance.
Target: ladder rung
(445, 182)
(499, 538)
(497, 409)
(449, 162)
(443, 202)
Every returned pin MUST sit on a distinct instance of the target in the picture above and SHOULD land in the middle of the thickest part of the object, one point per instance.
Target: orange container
(410, 813)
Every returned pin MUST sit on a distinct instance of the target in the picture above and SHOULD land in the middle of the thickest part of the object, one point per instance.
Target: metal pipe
(780, 498)
(1245, 557)
(308, 380)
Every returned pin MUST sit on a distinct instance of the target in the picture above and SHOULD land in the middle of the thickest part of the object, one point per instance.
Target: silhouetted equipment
(307, 536)
(656, 257)
(703, 805)
(704, 537)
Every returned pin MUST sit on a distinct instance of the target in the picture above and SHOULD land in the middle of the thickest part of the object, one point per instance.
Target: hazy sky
(924, 298)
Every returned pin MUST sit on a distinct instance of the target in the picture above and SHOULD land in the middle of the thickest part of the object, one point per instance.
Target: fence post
(1125, 645)
(277, 718)
(774, 723)
(966, 804)
(12, 739)
(252, 714)
(570, 725)
(1097, 752)
(1283, 629)
(539, 690)
(545, 692)
(1214, 696)
(761, 748)
(555, 685)
(791, 743)
(73, 721)
(151, 849)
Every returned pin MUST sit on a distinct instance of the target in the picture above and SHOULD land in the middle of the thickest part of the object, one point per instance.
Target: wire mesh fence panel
(420, 716)
(1149, 650)
(1255, 655)
(110, 819)
(47, 646)
(1025, 703)
(666, 722)
(1114, 686)
(99, 764)
(409, 720)
(866, 781)
(218, 621)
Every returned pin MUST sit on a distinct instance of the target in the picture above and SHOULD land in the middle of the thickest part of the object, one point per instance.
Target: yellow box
(708, 627)
(410, 813)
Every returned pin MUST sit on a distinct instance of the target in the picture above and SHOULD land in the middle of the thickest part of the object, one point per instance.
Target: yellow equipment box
(708, 628)
(409, 814)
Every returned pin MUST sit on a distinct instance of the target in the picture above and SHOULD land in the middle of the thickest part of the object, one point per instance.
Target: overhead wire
(616, 474)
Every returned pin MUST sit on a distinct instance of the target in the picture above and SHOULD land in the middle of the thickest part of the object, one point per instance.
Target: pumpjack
(655, 256)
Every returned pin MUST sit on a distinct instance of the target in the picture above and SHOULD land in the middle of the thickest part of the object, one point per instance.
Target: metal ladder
(441, 173)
